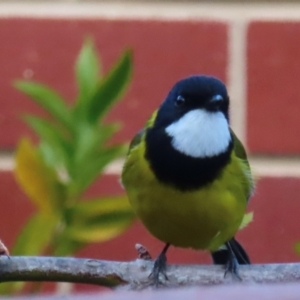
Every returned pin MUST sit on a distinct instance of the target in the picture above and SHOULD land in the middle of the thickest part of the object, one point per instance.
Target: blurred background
(253, 46)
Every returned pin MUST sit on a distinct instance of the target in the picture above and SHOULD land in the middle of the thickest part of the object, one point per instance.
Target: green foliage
(297, 248)
(89, 217)
(48, 99)
(72, 152)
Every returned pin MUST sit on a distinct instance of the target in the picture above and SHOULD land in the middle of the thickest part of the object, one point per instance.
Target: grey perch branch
(134, 274)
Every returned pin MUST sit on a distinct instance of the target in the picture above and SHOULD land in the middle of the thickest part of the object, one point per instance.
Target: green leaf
(66, 247)
(90, 168)
(47, 98)
(38, 180)
(96, 206)
(111, 87)
(87, 71)
(98, 220)
(59, 145)
(91, 138)
(35, 235)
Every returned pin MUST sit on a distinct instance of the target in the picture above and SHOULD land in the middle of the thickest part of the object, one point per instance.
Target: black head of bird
(201, 92)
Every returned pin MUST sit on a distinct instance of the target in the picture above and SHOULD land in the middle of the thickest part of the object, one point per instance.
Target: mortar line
(261, 166)
(271, 167)
(237, 77)
(159, 11)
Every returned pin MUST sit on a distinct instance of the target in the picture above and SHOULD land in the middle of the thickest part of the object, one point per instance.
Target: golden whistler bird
(187, 176)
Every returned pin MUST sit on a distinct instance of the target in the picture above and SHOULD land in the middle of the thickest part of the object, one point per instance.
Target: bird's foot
(160, 266)
(232, 268)
(232, 264)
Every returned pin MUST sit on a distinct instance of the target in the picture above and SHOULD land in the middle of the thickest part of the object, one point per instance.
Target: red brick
(273, 87)
(272, 236)
(164, 51)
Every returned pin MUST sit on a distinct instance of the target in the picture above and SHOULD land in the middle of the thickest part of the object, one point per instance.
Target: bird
(187, 176)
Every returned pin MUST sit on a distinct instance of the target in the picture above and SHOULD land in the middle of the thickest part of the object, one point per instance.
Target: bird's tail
(221, 256)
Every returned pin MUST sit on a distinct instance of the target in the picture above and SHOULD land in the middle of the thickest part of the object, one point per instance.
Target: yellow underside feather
(200, 219)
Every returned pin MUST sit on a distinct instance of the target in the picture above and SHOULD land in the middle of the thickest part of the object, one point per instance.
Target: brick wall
(255, 49)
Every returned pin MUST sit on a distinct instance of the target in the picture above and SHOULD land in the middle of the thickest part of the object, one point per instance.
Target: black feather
(221, 257)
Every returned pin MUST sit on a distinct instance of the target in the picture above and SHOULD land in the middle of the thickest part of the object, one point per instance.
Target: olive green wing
(240, 152)
(239, 148)
(136, 140)
(138, 137)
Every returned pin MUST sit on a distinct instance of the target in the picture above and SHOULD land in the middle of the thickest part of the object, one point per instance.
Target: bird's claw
(160, 266)
(232, 267)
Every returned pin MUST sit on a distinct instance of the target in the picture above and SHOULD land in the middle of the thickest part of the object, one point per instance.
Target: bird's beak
(216, 98)
(215, 102)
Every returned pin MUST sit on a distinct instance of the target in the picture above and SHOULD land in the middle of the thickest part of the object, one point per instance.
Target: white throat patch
(200, 133)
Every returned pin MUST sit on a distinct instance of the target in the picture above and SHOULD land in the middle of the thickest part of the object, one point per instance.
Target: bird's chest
(200, 218)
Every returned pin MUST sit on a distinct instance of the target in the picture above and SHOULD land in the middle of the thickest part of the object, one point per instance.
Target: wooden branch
(134, 275)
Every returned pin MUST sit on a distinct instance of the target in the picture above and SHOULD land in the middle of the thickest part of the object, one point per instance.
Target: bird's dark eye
(180, 101)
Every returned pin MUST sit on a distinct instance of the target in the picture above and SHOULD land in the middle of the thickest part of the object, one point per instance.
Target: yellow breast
(200, 219)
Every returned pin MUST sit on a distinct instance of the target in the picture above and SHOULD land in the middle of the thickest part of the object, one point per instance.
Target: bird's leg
(241, 254)
(160, 265)
(232, 264)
